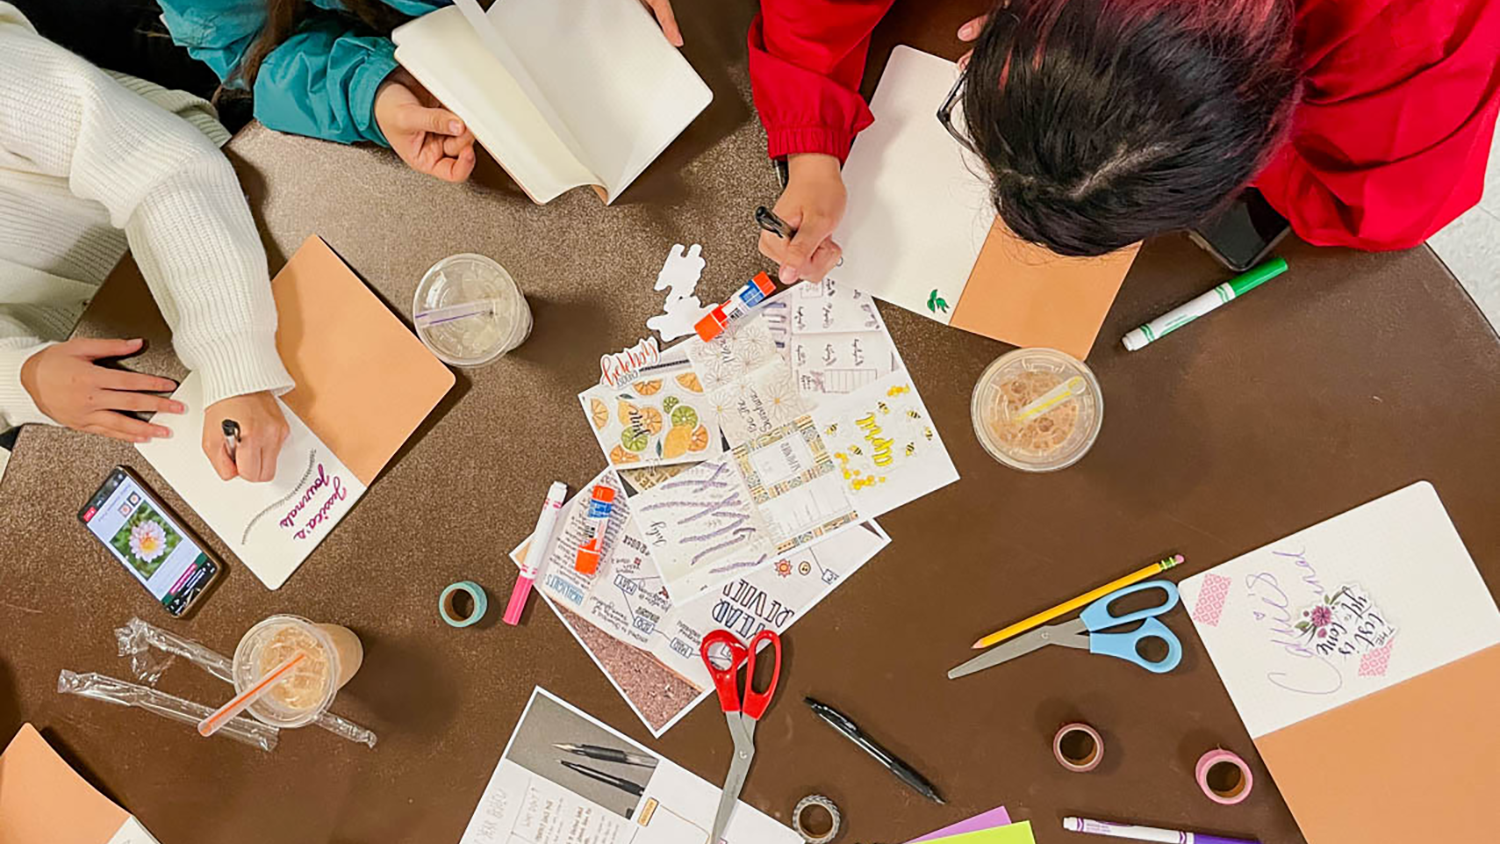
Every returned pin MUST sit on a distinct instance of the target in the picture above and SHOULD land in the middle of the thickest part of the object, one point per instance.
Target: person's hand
(665, 19)
(813, 204)
(967, 33)
(262, 431)
(428, 137)
(70, 387)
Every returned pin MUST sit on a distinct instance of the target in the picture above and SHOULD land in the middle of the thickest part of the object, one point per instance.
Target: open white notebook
(564, 93)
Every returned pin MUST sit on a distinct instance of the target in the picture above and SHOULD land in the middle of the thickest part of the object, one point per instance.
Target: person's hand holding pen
(812, 205)
(261, 429)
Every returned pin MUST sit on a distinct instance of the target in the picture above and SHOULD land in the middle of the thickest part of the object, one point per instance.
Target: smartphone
(149, 541)
(1244, 234)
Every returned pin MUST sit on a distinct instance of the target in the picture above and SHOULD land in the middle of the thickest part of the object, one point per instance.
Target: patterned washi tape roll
(448, 610)
(1078, 747)
(1224, 777)
(808, 802)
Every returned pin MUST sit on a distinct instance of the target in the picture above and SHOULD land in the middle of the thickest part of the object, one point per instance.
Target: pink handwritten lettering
(336, 492)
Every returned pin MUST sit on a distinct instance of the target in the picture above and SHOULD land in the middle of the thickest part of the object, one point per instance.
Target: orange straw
(210, 725)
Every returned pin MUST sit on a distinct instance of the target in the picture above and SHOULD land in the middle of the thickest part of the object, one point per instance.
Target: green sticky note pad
(1016, 833)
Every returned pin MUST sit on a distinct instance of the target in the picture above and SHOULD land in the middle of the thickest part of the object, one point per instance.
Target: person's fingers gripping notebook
(563, 93)
(922, 233)
(344, 349)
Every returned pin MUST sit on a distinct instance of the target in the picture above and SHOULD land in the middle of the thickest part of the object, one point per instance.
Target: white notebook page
(607, 70)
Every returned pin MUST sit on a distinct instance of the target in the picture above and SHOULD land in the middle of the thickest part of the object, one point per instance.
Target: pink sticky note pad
(988, 820)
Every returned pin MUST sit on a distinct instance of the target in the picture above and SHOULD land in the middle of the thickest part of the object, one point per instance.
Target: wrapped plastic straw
(137, 639)
(111, 690)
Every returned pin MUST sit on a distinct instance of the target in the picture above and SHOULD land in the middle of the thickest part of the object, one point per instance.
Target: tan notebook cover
(42, 799)
(1418, 762)
(364, 380)
(1028, 296)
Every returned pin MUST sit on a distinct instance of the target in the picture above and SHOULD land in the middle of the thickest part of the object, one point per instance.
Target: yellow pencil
(1082, 600)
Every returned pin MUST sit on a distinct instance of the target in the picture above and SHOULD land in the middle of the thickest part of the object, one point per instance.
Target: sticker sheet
(703, 527)
(885, 445)
(750, 386)
(661, 418)
(834, 338)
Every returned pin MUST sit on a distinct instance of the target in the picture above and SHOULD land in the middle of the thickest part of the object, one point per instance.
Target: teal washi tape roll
(449, 612)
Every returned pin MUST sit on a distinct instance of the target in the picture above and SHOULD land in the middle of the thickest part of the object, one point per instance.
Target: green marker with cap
(1215, 298)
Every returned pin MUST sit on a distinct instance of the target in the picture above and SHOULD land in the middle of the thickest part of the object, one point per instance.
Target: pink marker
(536, 551)
(600, 506)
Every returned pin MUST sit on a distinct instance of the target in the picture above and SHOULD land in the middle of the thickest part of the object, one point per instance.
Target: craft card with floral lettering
(270, 526)
(660, 418)
(885, 444)
(1351, 650)
(749, 384)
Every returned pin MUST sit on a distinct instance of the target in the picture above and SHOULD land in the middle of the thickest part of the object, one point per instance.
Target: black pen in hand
(767, 220)
(850, 730)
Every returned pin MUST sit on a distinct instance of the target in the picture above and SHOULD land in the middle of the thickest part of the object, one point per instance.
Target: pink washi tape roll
(1224, 777)
(1078, 747)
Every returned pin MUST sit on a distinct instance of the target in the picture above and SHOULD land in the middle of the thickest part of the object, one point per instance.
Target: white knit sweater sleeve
(174, 194)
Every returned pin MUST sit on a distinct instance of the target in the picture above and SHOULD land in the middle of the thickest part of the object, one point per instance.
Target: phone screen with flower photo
(148, 541)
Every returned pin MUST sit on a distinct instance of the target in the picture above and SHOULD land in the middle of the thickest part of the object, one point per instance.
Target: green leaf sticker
(936, 303)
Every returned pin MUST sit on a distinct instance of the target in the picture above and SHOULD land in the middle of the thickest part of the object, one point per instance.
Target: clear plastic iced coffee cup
(334, 653)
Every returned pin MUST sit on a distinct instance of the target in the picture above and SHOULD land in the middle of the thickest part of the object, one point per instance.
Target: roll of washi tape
(1078, 747)
(800, 827)
(1224, 777)
(448, 604)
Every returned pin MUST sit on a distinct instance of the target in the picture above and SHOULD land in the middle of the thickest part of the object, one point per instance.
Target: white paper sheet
(748, 382)
(271, 526)
(1343, 609)
(919, 212)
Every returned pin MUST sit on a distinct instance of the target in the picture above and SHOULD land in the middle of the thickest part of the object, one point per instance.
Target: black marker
(904, 772)
(231, 436)
(767, 220)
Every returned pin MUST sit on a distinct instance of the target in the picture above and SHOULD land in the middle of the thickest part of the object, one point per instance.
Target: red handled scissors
(742, 712)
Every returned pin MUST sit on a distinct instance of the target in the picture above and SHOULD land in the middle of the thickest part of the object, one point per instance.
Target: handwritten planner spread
(1351, 650)
(272, 526)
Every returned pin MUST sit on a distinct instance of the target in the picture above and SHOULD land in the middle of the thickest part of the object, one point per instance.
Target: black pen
(767, 219)
(607, 754)
(904, 772)
(231, 430)
(608, 779)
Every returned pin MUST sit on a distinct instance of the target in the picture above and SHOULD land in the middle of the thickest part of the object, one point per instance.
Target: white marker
(536, 551)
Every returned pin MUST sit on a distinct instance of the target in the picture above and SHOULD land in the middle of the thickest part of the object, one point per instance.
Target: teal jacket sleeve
(320, 82)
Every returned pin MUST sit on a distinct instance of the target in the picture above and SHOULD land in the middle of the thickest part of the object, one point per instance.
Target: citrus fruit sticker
(651, 419)
(684, 416)
(599, 413)
(634, 438)
(676, 443)
(689, 382)
(619, 455)
(699, 440)
(668, 403)
(649, 388)
(627, 411)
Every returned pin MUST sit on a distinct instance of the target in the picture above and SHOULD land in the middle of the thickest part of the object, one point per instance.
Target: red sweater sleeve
(1399, 106)
(807, 58)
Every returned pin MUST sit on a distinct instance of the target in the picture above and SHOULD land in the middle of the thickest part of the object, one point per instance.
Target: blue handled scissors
(1085, 631)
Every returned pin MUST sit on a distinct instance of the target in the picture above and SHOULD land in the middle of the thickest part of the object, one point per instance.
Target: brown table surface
(1347, 378)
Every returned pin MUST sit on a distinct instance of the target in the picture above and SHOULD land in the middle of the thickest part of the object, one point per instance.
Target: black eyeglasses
(945, 112)
(955, 94)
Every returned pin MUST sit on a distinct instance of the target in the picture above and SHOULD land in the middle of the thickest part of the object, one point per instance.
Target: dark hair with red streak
(1104, 122)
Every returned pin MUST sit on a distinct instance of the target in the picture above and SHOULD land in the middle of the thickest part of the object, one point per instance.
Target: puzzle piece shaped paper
(682, 310)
